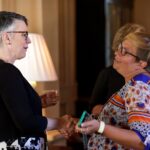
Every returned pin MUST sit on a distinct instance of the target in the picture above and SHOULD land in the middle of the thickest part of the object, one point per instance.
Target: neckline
(142, 77)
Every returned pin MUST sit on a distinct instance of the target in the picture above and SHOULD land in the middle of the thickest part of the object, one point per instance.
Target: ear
(6, 38)
(143, 64)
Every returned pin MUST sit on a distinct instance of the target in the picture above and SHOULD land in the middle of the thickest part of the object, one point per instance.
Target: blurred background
(79, 35)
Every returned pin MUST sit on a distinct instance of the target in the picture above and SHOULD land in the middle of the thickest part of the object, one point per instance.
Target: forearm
(52, 123)
(64, 122)
(124, 137)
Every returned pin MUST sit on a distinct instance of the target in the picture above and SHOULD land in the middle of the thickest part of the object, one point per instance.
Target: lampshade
(37, 65)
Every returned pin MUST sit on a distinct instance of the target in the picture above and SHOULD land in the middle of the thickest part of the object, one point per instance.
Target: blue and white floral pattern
(24, 143)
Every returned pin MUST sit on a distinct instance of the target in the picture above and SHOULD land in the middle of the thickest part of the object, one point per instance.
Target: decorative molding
(67, 55)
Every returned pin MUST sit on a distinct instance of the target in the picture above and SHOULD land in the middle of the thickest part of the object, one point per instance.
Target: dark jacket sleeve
(99, 92)
(14, 94)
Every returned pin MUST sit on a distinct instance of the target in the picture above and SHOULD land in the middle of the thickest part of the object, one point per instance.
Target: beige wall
(30, 8)
(51, 27)
(141, 13)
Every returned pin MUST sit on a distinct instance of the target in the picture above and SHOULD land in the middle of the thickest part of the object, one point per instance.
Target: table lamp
(37, 65)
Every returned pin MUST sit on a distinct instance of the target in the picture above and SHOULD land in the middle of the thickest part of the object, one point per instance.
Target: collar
(142, 77)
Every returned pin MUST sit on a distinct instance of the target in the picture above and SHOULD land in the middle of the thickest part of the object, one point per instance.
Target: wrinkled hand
(88, 127)
(49, 98)
(67, 128)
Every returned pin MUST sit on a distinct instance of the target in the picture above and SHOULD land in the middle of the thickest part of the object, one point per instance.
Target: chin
(114, 66)
(21, 57)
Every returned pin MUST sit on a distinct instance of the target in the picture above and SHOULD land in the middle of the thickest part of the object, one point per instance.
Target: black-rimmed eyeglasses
(24, 33)
(124, 51)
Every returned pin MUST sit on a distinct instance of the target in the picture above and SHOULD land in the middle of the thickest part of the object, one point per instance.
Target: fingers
(88, 127)
(67, 126)
(64, 133)
(49, 98)
(83, 130)
(67, 133)
(53, 94)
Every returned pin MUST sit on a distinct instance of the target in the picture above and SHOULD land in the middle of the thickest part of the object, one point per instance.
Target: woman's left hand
(67, 127)
(49, 98)
(88, 127)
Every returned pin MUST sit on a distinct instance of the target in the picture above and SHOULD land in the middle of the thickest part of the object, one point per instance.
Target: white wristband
(101, 127)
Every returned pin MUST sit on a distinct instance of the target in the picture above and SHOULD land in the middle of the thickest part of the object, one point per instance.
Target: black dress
(108, 82)
(20, 108)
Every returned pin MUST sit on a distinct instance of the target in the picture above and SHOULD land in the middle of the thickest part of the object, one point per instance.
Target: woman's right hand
(88, 127)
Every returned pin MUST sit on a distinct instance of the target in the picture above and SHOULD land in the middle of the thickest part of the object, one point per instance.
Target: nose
(28, 40)
(115, 53)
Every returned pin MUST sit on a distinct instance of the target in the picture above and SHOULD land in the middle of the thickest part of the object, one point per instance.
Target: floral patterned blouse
(129, 108)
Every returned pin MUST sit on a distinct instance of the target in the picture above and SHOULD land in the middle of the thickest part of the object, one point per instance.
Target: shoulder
(7, 67)
(141, 77)
(8, 70)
